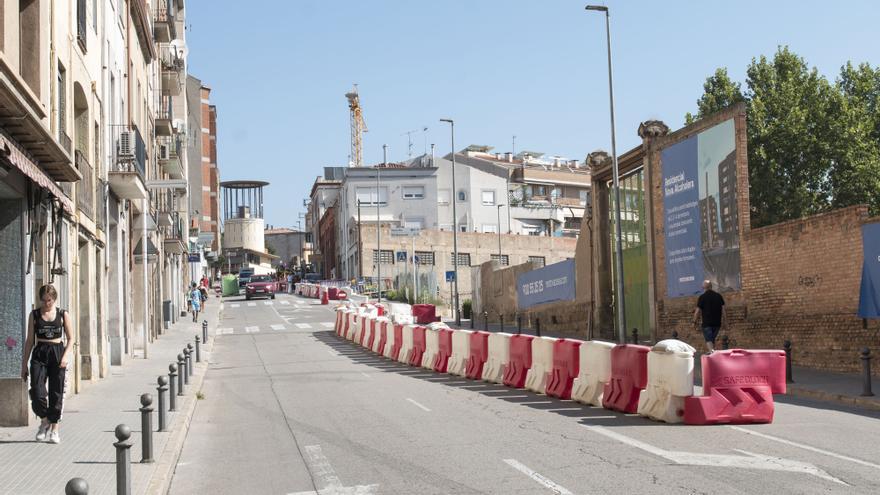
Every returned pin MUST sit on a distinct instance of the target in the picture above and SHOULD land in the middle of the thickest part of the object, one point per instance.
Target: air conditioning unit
(125, 145)
(164, 152)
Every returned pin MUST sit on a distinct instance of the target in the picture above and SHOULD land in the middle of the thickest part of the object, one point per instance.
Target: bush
(466, 308)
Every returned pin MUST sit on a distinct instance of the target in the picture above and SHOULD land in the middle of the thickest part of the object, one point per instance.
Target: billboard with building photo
(700, 214)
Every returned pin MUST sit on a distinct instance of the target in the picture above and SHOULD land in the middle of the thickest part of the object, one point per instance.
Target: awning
(11, 153)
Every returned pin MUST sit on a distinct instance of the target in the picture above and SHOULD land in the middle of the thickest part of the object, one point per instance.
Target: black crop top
(49, 329)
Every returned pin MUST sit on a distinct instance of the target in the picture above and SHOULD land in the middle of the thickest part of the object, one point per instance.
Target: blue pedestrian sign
(450, 276)
(194, 257)
(401, 256)
(416, 260)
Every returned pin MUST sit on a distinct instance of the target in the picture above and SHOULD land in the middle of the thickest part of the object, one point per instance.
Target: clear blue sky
(535, 69)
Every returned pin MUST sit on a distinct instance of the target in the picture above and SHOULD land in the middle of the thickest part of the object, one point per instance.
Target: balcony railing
(171, 58)
(81, 23)
(101, 204)
(64, 140)
(129, 153)
(85, 194)
(166, 14)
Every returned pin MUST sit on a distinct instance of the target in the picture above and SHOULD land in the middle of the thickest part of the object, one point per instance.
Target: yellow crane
(358, 127)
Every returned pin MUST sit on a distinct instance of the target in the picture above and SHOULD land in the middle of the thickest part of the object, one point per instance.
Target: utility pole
(379, 228)
(360, 246)
(454, 227)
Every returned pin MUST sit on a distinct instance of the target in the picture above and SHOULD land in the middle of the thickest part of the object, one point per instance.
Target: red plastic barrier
(738, 387)
(424, 313)
(566, 365)
(333, 293)
(418, 350)
(324, 298)
(398, 342)
(520, 361)
(381, 309)
(347, 323)
(342, 295)
(383, 336)
(368, 342)
(441, 360)
(629, 376)
(479, 353)
(363, 327)
(339, 322)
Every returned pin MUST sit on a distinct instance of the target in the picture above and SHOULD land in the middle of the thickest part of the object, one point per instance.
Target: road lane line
(277, 326)
(543, 480)
(806, 447)
(418, 405)
(285, 302)
(303, 325)
(251, 329)
(328, 324)
(234, 305)
(251, 304)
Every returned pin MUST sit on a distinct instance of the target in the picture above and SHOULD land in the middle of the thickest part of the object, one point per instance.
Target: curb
(166, 464)
(861, 402)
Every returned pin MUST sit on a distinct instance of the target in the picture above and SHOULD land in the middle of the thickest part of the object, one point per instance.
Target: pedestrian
(289, 283)
(710, 307)
(50, 337)
(195, 297)
(203, 290)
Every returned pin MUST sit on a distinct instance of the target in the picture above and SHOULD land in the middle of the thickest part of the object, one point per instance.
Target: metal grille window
(81, 23)
(538, 261)
(386, 257)
(464, 259)
(425, 257)
(503, 258)
(413, 192)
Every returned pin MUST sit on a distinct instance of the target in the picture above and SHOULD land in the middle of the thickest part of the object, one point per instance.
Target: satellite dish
(179, 46)
(179, 125)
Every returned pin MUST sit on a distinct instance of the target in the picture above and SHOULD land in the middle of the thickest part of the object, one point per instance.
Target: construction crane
(409, 134)
(358, 127)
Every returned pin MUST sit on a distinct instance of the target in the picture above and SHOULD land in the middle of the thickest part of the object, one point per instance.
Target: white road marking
(366, 375)
(224, 331)
(328, 324)
(277, 326)
(327, 480)
(268, 303)
(234, 305)
(251, 305)
(543, 480)
(285, 302)
(303, 325)
(418, 405)
(747, 461)
(333, 353)
(251, 329)
(806, 447)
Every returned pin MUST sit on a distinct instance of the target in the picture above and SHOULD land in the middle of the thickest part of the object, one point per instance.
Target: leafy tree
(812, 145)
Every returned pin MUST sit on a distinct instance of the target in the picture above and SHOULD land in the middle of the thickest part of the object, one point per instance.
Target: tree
(812, 145)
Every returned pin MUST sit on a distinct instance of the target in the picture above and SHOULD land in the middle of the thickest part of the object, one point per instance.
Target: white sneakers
(45, 434)
(54, 437)
(42, 432)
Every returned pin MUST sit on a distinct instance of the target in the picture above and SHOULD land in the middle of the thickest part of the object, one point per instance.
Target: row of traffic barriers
(170, 387)
(323, 292)
(656, 382)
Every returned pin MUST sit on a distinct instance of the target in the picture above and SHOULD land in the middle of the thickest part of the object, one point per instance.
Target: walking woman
(48, 362)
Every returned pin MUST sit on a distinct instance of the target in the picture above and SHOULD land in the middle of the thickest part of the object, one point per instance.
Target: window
(462, 195)
(490, 228)
(464, 259)
(413, 192)
(556, 192)
(584, 196)
(414, 223)
(488, 198)
(62, 105)
(504, 259)
(386, 257)
(540, 190)
(572, 223)
(538, 261)
(367, 196)
(81, 9)
(425, 257)
(446, 227)
(462, 228)
(443, 196)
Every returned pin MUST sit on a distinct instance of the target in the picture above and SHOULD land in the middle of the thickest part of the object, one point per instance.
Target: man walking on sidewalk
(710, 306)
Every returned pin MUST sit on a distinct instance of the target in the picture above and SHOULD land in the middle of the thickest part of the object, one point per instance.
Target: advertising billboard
(545, 285)
(869, 294)
(700, 215)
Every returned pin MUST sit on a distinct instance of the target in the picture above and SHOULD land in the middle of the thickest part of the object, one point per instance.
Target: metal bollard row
(787, 346)
(123, 460)
(198, 350)
(866, 369)
(146, 428)
(76, 486)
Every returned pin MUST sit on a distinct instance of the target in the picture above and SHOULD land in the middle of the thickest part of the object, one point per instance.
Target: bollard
(172, 386)
(635, 335)
(787, 346)
(146, 428)
(198, 350)
(518, 324)
(486, 321)
(76, 486)
(501, 320)
(189, 361)
(538, 327)
(123, 460)
(866, 367)
(161, 389)
(181, 372)
(473, 318)
(725, 342)
(205, 331)
(675, 334)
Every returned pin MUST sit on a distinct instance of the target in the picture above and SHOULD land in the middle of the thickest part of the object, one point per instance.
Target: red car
(261, 286)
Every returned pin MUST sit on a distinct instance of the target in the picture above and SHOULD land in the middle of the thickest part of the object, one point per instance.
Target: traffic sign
(416, 260)
(450, 276)
(401, 256)
(194, 257)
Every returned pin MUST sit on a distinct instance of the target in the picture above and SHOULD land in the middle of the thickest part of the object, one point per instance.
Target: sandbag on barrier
(403, 354)
(566, 361)
(738, 387)
(418, 348)
(520, 361)
(594, 371)
(629, 375)
(670, 380)
(460, 351)
(432, 346)
(542, 363)
(381, 335)
(497, 357)
(444, 350)
(478, 352)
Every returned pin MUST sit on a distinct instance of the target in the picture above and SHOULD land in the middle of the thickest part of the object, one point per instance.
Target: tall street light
(499, 232)
(454, 228)
(379, 228)
(618, 245)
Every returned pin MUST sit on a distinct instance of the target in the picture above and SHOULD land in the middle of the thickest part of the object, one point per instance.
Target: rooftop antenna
(513, 153)
(410, 141)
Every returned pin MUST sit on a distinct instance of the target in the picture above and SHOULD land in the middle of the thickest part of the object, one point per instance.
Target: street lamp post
(454, 228)
(379, 228)
(499, 232)
(618, 245)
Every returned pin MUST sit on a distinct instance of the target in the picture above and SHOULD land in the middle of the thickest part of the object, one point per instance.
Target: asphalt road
(289, 408)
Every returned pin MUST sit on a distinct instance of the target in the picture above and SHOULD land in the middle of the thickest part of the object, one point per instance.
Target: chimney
(574, 164)
(556, 162)
(497, 156)
(508, 157)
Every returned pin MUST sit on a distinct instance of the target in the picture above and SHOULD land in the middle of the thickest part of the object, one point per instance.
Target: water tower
(243, 223)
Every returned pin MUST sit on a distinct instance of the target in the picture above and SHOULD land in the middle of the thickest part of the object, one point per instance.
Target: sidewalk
(825, 386)
(90, 417)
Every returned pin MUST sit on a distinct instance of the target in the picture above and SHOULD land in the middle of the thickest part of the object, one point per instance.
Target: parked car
(261, 286)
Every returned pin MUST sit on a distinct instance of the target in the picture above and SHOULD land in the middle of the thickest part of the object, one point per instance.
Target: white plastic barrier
(389, 342)
(369, 329)
(670, 380)
(340, 314)
(461, 348)
(499, 355)
(407, 345)
(594, 372)
(380, 322)
(363, 322)
(353, 322)
(403, 319)
(397, 308)
(371, 310)
(542, 364)
(432, 346)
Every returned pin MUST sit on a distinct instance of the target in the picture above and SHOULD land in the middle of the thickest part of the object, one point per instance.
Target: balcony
(164, 19)
(128, 164)
(174, 241)
(85, 193)
(164, 116)
(101, 205)
(171, 67)
(169, 150)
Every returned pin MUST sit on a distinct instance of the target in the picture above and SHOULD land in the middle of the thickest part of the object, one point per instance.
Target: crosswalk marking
(285, 302)
(224, 331)
(251, 329)
(277, 326)
(328, 324)
(268, 303)
(250, 305)
(235, 305)
(303, 325)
